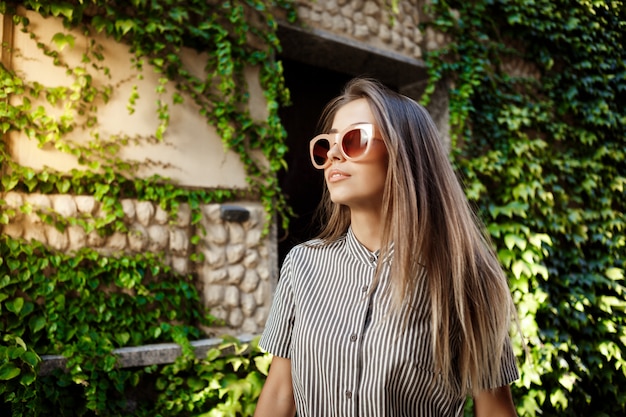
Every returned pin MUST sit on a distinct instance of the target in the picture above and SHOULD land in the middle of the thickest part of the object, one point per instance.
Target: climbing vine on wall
(85, 304)
(536, 105)
(157, 32)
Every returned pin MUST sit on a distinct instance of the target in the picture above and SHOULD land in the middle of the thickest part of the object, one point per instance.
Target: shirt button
(364, 289)
(353, 338)
(348, 394)
(372, 259)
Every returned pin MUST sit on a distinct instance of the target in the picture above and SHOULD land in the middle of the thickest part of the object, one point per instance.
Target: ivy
(83, 305)
(542, 154)
(228, 381)
(157, 32)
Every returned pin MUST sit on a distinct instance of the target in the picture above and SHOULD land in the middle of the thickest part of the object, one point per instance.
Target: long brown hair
(432, 226)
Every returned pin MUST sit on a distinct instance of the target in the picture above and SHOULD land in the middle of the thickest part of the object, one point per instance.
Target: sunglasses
(354, 143)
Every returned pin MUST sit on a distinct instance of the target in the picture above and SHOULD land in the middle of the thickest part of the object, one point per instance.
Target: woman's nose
(334, 153)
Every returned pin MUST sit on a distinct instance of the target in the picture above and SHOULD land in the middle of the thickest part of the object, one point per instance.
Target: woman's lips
(336, 175)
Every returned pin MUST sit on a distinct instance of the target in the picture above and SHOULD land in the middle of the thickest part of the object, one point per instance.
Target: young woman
(400, 307)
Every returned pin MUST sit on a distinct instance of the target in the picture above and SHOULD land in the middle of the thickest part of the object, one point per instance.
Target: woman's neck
(367, 228)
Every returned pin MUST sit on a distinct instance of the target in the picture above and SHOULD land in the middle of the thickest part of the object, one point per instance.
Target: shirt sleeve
(276, 338)
(509, 364)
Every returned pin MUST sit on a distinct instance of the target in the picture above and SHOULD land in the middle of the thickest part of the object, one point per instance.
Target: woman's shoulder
(316, 247)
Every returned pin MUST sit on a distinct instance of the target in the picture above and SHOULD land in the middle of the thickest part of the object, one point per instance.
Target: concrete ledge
(138, 356)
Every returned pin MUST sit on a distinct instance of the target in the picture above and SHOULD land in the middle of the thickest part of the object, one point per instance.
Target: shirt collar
(358, 251)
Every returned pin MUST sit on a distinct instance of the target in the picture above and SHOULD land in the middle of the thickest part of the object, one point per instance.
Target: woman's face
(357, 184)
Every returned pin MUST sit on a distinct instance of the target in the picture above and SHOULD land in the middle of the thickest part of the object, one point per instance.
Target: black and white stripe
(350, 354)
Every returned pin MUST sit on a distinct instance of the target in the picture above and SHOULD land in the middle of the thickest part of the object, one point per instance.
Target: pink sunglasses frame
(368, 128)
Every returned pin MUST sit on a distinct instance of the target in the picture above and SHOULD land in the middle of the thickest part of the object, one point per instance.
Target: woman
(400, 307)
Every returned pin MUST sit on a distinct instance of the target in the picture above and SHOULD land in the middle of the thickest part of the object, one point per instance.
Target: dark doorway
(311, 88)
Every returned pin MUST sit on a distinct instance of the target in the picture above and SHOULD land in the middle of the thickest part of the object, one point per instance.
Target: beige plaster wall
(191, 152)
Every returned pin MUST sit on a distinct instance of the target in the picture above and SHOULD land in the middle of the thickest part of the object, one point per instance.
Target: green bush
(540, 128)
(85, 304)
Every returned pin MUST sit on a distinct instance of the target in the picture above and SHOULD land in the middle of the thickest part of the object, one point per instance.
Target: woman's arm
(276, 399)
(498, 402)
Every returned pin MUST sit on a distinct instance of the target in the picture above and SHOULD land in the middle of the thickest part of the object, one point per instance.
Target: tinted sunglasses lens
(354, 142)
(320, 151)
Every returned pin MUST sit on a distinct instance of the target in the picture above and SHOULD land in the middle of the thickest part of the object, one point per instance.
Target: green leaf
(614, 274)
(511, 240)
(62, 40)
(36, 323)
(30, 358)
(62, 9)
(124, 26)
(8, 371)
(28, 378)
(15, 305)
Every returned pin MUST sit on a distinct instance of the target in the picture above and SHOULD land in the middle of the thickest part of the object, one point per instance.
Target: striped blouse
(350, 355)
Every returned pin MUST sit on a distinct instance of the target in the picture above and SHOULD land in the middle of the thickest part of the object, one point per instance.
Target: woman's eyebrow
(333, 130)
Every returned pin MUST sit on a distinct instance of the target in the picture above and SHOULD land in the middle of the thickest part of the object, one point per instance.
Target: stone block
(38, 200)
(213, 295)
(249, 326)
(55, 238)
(64, 205)
(231, 296)
(179, 241)
(160, 216)
(262, 294)
(371, 8)
(217, 234)
(137, 238)
(86, 204)
(144, 211)
(94, 240)
(235, 318)
(260, 317)
(128, 206)
(235, 274)
(384, 34)
(212, 212)
(236, 233)
(250, 281)
(208, 275)
(77, 237)
(372, 24)
(253, 238)
(180, 264)
(13, 199)
(251, 260)
(264, 272)
(327, 20)
(116, 242)
(220, 313)
(183, 216)
(158, 238)
(215, 256)
(235, 253)
(248, 305)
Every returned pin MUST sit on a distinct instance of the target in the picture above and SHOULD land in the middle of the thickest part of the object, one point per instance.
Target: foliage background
(542, 157)
(83, 305)
(542, 152)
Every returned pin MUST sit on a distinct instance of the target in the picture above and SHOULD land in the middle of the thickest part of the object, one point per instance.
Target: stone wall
(369, 21)
(239, 262)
